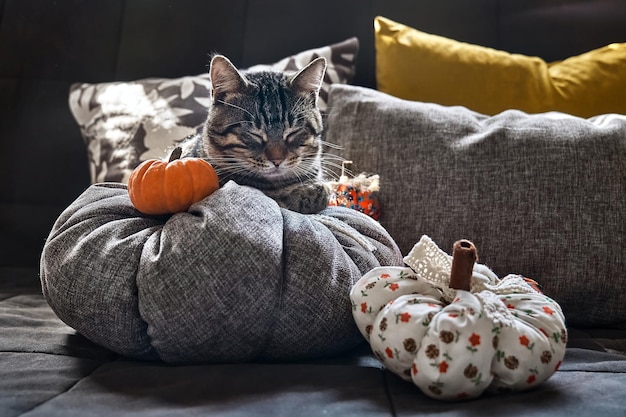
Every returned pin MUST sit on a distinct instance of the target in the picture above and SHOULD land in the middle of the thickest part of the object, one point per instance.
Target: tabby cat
(263, 130)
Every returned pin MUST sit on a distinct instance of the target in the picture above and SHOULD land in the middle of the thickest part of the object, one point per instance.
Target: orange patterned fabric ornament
(358, 193)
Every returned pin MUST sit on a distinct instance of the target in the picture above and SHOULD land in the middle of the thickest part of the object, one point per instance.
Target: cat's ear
(225, 78)
(308, 80)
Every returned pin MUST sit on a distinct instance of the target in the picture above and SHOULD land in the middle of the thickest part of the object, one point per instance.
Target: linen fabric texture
(235, 278)
(541, 195)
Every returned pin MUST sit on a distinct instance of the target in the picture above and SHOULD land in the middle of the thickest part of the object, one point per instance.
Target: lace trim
(495, 310)
(510, 284)
(434, 265)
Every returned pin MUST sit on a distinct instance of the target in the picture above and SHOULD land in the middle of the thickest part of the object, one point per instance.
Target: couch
(549, 205)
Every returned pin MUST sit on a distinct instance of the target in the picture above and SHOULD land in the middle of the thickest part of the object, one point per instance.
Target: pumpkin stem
(176, 153)
(464, 255)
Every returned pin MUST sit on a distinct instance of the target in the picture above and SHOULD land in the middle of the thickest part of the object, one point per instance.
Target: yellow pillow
(414, 65)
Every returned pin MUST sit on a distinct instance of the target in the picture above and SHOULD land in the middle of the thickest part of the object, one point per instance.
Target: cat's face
(264, 128)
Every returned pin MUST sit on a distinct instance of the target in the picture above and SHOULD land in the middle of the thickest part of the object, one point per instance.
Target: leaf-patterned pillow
(125, 123)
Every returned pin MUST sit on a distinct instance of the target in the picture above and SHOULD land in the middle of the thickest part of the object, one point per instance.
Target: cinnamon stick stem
(464, 255)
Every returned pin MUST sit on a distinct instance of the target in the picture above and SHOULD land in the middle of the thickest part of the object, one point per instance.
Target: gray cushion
(541, 195)
(236, 278)
(126, 123)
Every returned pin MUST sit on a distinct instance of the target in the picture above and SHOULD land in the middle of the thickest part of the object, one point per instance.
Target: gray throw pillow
(541, 195)
(126, 123)
(235, 278)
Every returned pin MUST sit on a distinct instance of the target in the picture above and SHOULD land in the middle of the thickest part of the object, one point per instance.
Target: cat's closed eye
(256, 137)
(297, 137)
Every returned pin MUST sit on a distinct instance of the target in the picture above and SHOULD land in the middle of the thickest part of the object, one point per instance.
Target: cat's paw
(315, 197)
(307, 198)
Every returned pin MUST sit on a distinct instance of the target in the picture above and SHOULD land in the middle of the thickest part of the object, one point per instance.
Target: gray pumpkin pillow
(235, 278)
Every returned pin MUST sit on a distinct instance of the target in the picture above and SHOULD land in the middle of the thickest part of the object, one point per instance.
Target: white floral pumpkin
(498, 334)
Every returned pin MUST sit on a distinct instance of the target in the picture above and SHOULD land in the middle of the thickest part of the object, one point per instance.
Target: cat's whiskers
(299, 173)
(331, 145)
(331, 164)
(236, 107)
(299, 117)
(329, 175)
(300, 106)
(239, 171)
(330, 167)
(226, 164)
(333, 157)
(305, 171)
(237, 123)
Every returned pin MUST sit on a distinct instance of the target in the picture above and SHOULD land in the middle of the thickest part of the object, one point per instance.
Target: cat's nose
(276, 162)
(276, 154)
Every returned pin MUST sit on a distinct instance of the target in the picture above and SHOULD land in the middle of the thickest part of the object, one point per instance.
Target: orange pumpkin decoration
(163, 187)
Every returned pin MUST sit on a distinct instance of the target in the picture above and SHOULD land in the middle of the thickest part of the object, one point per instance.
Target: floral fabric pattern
(457, 350)
(358, 193)
(126, 123)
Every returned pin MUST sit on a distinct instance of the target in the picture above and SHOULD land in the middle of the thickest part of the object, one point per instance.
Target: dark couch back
(46, 45)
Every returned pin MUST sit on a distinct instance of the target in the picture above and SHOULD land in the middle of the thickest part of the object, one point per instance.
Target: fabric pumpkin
(235, 278)
(501, 335)
(358, 193)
